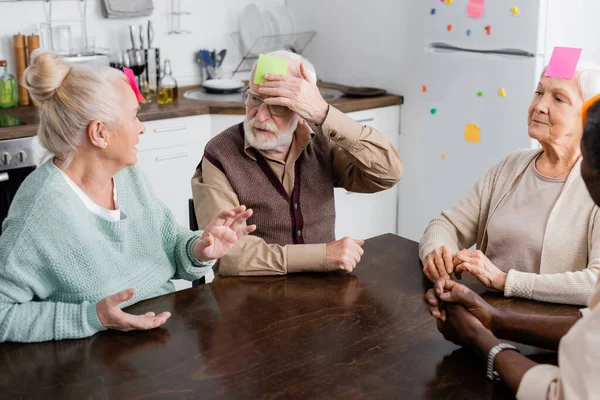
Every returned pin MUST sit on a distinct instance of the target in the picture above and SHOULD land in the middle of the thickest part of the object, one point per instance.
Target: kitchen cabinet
(359, 215)
(220, 122)
(168, 154)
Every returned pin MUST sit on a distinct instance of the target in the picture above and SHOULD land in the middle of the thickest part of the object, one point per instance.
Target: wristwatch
(492, 374)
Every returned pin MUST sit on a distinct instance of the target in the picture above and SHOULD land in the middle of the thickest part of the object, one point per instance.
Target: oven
(17, 161)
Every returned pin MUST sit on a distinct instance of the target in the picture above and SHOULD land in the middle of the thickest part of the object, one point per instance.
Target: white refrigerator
(465, 76)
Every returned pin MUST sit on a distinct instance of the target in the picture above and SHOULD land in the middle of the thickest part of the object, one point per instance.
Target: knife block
(152, 71)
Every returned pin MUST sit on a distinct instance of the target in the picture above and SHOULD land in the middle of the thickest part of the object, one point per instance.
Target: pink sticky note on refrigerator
(131, 77)
(475, 8)
(563, 62)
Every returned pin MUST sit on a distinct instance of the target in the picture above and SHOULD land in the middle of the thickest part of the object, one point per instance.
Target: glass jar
(167, 87)
(8, 88)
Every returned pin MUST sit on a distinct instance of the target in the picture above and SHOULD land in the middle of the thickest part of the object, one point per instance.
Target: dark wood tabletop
(367, 335)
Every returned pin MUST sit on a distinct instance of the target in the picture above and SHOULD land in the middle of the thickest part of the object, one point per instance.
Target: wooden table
(307, 336)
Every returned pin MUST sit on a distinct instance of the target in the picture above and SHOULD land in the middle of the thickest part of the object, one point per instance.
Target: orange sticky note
(472, 133)
(424, 88)
(449, 27)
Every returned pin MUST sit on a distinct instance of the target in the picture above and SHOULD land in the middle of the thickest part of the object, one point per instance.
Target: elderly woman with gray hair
(85, 233)
(535, 227)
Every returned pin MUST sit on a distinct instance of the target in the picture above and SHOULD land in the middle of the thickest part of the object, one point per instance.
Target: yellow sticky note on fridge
(269, 65)
(472, 133)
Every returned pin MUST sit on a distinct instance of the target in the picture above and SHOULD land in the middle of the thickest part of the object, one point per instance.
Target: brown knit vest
(308, 216)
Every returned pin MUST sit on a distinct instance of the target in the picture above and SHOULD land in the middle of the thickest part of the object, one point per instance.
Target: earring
(104, 144)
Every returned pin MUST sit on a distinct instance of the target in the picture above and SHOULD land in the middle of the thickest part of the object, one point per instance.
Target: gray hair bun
(45, 75)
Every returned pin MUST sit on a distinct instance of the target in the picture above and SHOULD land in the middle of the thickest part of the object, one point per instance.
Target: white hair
(288, 55)
(70, 98)
(588, 79)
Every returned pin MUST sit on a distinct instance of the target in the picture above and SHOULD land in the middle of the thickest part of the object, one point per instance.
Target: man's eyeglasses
(253, 101)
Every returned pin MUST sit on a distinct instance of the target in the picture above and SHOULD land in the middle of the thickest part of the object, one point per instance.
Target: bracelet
(492, 374)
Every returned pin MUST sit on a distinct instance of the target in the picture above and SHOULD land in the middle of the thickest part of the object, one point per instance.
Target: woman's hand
(438, 263)
(481, 267)
(222, 232)
(112, 317)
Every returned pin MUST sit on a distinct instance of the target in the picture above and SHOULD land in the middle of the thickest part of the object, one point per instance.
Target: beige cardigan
(576, 376)
(570, 261)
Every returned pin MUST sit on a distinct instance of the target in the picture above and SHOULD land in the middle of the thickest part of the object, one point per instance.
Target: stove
(17, 160)
(17, 153)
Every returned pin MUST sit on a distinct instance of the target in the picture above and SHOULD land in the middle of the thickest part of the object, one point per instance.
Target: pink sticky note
(129, 73)
(475, 8)
(563, 62)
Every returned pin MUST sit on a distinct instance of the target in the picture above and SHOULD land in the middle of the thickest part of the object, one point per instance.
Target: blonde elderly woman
(535, 227)
(85, 235)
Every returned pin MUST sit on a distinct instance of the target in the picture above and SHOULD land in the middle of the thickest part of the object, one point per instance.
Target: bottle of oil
(167, 87)
(8, 88)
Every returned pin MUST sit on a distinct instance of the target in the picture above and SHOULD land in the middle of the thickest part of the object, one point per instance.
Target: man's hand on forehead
(297, 93)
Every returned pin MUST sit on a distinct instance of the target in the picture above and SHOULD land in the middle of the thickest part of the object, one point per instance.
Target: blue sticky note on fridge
(563, 62)
(269, 65)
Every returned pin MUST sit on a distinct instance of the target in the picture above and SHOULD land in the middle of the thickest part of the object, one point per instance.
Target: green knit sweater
(58, 259)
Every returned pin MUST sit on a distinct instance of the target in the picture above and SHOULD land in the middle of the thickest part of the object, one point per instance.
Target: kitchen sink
(200, 94)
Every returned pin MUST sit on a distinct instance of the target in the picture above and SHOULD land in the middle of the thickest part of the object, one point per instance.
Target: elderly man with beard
(283, 161)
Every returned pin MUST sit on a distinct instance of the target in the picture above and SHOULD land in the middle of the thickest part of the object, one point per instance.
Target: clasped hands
(442, 263)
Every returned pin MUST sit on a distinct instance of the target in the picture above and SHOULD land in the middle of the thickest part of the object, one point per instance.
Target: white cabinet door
(218, 122)
(175, 131)
(359, 215)
(170, 172)
(362, 215)
(168, 154)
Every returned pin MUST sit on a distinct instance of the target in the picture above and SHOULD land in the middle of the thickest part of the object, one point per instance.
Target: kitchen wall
(212, 24)
(367, 43)
(358, 42)
(573, 30)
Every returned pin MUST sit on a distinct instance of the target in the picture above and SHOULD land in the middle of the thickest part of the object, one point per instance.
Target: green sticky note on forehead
(269, 65)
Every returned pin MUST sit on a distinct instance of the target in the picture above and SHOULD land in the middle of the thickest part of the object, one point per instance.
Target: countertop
(186, 107)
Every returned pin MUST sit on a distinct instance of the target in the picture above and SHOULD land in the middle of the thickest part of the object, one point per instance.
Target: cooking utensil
(205, 57)
(142, 37)
(150, 34)
(221, 57)
(132, 35)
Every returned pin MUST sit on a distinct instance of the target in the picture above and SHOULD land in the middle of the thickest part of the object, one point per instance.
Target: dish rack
(295, 42)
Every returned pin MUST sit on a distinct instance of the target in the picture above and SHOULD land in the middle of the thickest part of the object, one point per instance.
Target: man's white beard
(264, 141)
